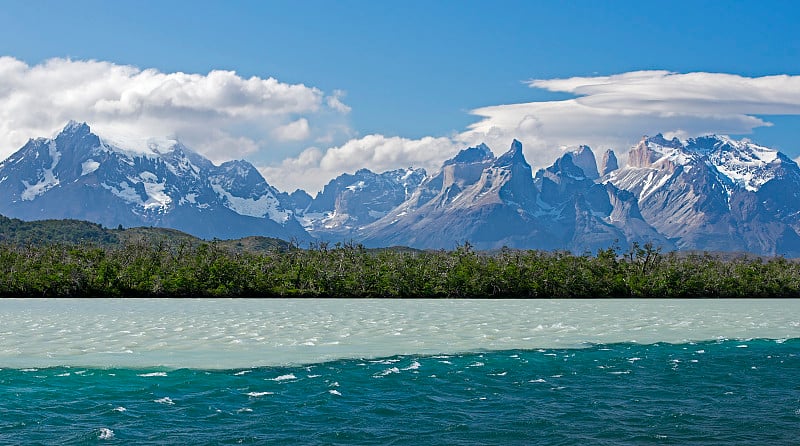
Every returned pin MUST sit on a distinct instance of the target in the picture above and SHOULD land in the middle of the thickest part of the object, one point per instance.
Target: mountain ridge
(708, 193)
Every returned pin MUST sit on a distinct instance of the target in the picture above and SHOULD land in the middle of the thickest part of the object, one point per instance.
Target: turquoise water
(416, 372)
(714, 392)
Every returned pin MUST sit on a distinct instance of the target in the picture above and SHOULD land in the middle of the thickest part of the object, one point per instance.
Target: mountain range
(710, 193)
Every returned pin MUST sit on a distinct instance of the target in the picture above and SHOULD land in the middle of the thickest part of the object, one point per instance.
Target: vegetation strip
(185, 269)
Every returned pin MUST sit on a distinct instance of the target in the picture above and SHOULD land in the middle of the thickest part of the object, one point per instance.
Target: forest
(147, 267)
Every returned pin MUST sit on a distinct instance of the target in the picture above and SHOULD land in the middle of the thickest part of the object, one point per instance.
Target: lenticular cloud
(207, 111)
(616, 111)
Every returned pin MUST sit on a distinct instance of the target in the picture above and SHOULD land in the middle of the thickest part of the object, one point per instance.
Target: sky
(307, 90)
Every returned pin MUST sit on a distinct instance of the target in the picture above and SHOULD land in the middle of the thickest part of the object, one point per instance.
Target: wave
(710, 392)
(241, 334)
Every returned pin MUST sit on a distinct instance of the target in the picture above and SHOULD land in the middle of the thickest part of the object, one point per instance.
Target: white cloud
(313, 168)
(615, 111)
(697, 93)
(335, 102)
(220, 114)
(293, 131)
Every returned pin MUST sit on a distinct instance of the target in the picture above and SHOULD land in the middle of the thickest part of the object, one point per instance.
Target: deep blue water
(719, 392)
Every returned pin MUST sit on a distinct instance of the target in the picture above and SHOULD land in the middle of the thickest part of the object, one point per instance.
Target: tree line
(145, 268)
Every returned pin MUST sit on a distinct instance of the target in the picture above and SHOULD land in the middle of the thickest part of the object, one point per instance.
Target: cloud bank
(313, 168)
(219, 114)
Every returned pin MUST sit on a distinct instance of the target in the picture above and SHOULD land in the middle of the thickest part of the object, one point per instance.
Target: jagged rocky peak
(651, 149)
(642, 155)
(583, 157)
(299, 200)
(240, 178)
(745, 163)
(477, 154)
(76, 127)
(512, 157)
(241, 169)
(565, 166)
(463, 169)
(608, 163)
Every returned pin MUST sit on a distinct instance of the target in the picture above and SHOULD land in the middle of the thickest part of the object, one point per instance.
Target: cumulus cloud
(313, 167)
(293, 131)
(221, 113)
(615, 111)
(335, 102)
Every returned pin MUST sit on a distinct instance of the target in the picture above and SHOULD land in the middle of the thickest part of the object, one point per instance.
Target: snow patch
(125, 191)
(157, 199)
(745, 163)
(47, 179)
(266, 205)
(89, 166)
(309, 219)
(356, 186)
(150, 147)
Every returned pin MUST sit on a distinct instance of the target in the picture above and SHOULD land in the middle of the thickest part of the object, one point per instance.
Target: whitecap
(284, 377)
(165, 400)
(119, 409)
(149, 375)
(741, 346)
(414, 366)
(334, 392)
(242, 372)
(387, 372)
(539, 380)
(258, 394)
(105, 434)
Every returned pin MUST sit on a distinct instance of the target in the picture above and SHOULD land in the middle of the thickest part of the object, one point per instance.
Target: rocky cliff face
(504, 205)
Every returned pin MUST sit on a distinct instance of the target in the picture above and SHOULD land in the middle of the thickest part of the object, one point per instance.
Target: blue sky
(400, 82)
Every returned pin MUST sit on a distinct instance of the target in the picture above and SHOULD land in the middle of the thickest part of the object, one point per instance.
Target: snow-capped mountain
(475, 197)
(714, 193)
(140, 182)
(710, 193)
(495, 202)
(349, 202)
